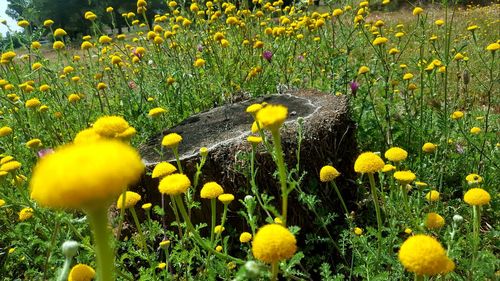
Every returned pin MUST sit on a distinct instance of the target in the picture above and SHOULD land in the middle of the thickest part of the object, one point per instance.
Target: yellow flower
(171, 140)
(396, 154)
(337, 12)
(429, 147)
(457, 115)
(164, 244)
(86, 45)
(5, 131)
(363, 69)
(493, 47)
(85, 175)
(273, 243)
(245, 237)
(81, 272)
(458, 56)
(36, 45)
(211, 190)
(25, 213)
(174, 184)
(439, 22)
(116, 60)
(199, 62)
(10, 166)
(417, 11)
(33, 143)
(379, 41)
(473, 178)
(23, 23)
(2, 202)
(157, 111)
(434, 221)
(36, 66)
(475, 130)
(226, 198)
(87, 135)
(254, 108)
(472, 28)
(272, 117)
(408, 230)
(218, 248)
(58, 45)
(104, 39)
(73, 98)
(423, 255)
(161, 265)
(60, 32)
(328, 173)
(131, 199)
(6, 159)
(113, 127)
(404, 177)
(368, 162)
(90, 16)
(477, 197)
(146, 206)
(407, 76)
(388, 168)
(32, 103)
(48, 23)
(163, 169)
(358, 231)
(432, 196)
(254, 140)
(218, 229)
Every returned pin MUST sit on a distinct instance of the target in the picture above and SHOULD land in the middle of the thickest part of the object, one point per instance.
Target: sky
(12, 23)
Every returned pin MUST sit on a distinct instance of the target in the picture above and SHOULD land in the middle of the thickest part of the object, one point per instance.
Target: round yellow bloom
(36, 66)
(33, 143)
(164, 244)
(2, 202)
(171, 140)
(388, 168)
(328, 173)
(146, 206)
(81, 272)
(73, 98)
(363, 69)
(272, 117)
(473, 178)
(58, 45)
(211, 190)
(432, 196)
(475, 130)
(429, 147)
(408, 230)
(218, 229)
(439, 22)
(245, 237)
(368, 162)
(86, 45)
(423, 255)
(109, 9)
(199, 62)
(48, 23)
(396, 154)
(226, 198)
(6, 159)
(105, 39)
(457, 115)
(161, 265)
(60, 32)
(131, 199)
(10, 166)
(417, 11)
(163, 169)
(434, 221)
(23, 23)
(404, 177)
(157, 111)
(273, 243)
(358, 231)
(174, 184)
(379, 41)
(477, 197)
(493, 47)
(85, 175)
(254, 108)
(32, 103)
(25, 213)
(254, 140)
(112, 127)
(87, 135)
(5, 131)
(407, 76)
(90, 16)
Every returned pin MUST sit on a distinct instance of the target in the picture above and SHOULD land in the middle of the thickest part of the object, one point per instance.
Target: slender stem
(274, 270)
(65, 270)
(177, 219)
(282, 174)
(340, 197)
(139, 229)
(223, 220)
(105, 260)
(377, 210)
(213, 206)
(176, 154)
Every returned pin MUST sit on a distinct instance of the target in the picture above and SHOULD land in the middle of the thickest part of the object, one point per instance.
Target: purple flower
(199, 48)
(267, 55)
(44, 152)
(300, 58)
(354, 87)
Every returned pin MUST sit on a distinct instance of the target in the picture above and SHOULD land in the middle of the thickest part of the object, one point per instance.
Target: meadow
(422, 84)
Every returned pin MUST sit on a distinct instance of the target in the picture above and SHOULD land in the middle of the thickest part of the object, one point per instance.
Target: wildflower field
(422, 85)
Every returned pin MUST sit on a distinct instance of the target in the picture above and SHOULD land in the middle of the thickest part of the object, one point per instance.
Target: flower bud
(458, 218)
(70, 248)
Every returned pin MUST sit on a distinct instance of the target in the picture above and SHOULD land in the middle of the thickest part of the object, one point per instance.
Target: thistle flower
(354, 87)
(267, 55)
(477, 197)
(131, 199)
(273, 243)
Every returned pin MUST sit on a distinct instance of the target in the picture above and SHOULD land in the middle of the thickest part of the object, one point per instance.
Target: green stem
(177, 219)
(65, 270)
(282, 174)
(340, 197)
(104, 251)
(224, 215)
(213, 206)
(176, 154)
(139, 229)
(274, 270)
(377, 211)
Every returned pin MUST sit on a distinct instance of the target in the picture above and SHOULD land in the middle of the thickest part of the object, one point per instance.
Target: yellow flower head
(219, 229)
(328, 173)
(245, 237)
(388, 168)
(226, 198)
(493, 47)
(473, 179)
(477, 197)
(90, 16)
(439, 22)
(358, 231)
(396, 154)
(157, 111)
(6, 159)
(105, 39)
(81, 272)
(85, 175)
(5, 131)
(417, 11)
(58, 45)
(254, 140)
(33, 103)
(199, 62)
(163, 169)
(87, 135)
(60, 32)
(475, 130)
(254, 108)
(174, 184)
(457, 115)
(429, 147)
(432, 196)
(434, 221)
(211, 190)
(112, 127)
(131, 199)
(363, 69)
(25, 213)
(379, 41)
(423, 255)
(171, 140)
(34, 143)
(273, 243)
(23, 23)
(404, 177)
(2, 202)
(272, 117)
(48, 23)
(146, 206)
(10, 166)
(369, 163)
